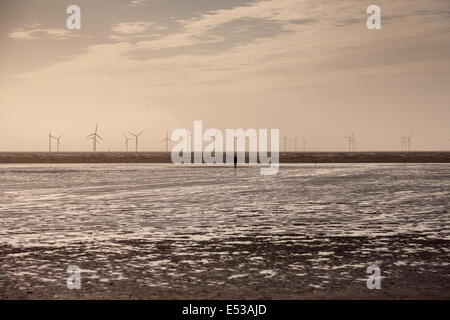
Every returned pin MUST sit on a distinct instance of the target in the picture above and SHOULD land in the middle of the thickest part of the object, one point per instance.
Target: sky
(310, 68)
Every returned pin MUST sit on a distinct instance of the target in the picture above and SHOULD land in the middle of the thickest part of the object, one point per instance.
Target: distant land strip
(165, 157)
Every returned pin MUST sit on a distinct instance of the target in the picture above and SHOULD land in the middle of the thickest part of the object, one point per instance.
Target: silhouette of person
(235, 160)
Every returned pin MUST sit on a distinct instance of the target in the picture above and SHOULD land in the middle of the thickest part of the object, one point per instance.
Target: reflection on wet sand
(160, 231)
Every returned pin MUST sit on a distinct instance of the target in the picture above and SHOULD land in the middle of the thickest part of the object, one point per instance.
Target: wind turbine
(295, 144)
(136, 137)
(94, 136)
(408, 141)
(166, 140)
(285, 141)
(49, 138)
(350, 139)
(403, 143)
(304, 144)
(58, 142)
(126, 140)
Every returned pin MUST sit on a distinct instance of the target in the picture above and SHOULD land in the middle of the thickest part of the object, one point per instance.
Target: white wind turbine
(94, 137)
(136, 136)
(403, 143)
(285, 139)
(49, 139)
(408, 141)
(166, 140)
(353, 143)
(58, 142)
(350, 140)
(127, 139)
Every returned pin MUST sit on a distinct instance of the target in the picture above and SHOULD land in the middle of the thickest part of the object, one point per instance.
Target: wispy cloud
(140, 29)
(34, 31)
(131, 27)
(136, 3)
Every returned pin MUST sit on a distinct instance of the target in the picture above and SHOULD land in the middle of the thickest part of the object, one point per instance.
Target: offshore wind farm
(288, 154)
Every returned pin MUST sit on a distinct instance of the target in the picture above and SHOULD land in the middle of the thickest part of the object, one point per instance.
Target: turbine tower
(403, 143)
(58, 142)
(295, 144)
(351, 141)
(408, 141)
(94, 137)
(49, 138)
(136, 136)
(304, 144)
(127, 139)
(166, 140)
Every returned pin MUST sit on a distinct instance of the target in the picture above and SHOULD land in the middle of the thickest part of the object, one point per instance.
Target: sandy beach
(216, 279)
(139, 231)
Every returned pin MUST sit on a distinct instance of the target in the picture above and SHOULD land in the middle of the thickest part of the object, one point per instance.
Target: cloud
(34, 31)
(131, 27)
(140, 29)
(314, 52)
(288, 15)
(136, 3)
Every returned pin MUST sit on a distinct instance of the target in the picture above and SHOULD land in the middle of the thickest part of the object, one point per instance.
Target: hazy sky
(308, 67)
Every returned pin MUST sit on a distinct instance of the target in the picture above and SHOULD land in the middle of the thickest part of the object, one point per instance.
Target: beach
(159, 231)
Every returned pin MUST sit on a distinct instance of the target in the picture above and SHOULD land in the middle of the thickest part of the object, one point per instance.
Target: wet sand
(285, 157)
(327, 268)
(158, 231)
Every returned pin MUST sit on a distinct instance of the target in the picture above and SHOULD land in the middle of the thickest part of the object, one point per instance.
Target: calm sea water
(104, 207)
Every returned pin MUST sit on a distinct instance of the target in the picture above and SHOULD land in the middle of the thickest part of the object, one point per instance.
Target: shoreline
(165, 157)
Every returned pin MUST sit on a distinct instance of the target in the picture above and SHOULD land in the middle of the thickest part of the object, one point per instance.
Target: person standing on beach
(235, 160)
